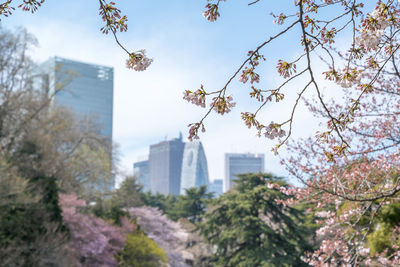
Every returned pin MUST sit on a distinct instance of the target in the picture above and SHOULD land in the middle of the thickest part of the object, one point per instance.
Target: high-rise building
(194, 166)
(239, 164)
(85, 88)
(215, 187)
(165, 164)
(141, 173)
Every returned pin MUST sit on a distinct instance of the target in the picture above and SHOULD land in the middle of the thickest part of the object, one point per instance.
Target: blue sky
(188, 51)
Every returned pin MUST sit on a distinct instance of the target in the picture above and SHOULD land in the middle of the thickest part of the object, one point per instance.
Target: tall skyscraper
(194, 166)
(165, 164)
(86, 89)
(141, 173)
(241, 163)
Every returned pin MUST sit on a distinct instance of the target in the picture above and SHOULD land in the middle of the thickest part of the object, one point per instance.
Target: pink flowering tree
(179, 240)
(93, 241)
(350, 168)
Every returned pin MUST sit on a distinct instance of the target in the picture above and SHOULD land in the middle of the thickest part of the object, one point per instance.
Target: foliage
(108, 210)
(164, 203)
(128, 195)
(139, 250)
(39, 148)
(191, 205)
(49, 141)
(384, 237)
(32, 232)
(113, 207)
(25, 225)
(380, 239)
(249, 228)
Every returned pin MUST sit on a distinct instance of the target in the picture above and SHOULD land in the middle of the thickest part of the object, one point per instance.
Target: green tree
(128, 195)
(41, 153)
(164, 203)
(192, 205)
(248, 227)
(141, 251)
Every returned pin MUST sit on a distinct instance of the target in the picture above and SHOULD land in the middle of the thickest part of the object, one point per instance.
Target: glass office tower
(194, 166)
(141, 173)
(85, 88)
(239, 164)
(165, 164)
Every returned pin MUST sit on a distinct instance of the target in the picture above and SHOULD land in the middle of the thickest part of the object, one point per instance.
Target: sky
(187, 51)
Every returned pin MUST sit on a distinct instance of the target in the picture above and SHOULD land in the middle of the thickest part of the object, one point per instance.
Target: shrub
(141, 251)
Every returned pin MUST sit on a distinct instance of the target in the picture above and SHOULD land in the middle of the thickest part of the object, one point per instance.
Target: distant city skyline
(172, 166)
(168, 158)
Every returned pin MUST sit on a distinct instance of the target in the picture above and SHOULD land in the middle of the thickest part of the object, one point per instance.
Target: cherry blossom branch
(254, 2)
(194, 96)
(333, 119)
(111, 15)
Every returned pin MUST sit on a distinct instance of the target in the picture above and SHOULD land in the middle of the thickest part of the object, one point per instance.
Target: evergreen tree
(164, 203)
(128, 195)
(248, 227)
(192, 205)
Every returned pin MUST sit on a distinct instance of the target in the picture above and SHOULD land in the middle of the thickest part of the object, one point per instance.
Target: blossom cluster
(31, 5)
(211, 13)
(286, 69)
(327, 36)
(280, 19)
(374, 27)
(348, 77)
(250, 120)
(274, 130)
(197, 98)
(248, 72)
(112, 16)
(6, 9)
(194, 130)
(138, 61)
(222, 104)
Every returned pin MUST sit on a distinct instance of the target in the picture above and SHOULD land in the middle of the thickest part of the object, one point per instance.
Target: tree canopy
(249, 228)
